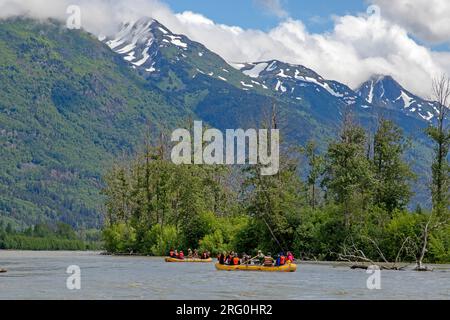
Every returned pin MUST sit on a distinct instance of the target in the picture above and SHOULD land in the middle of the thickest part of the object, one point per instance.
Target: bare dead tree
(359, 260)
(429, 227)
(440, 168)
(441, 135)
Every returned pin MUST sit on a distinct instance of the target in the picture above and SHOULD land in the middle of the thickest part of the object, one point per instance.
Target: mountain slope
(68, 107)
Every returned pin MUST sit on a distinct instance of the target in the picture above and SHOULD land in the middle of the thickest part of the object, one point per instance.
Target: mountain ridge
(260, 75)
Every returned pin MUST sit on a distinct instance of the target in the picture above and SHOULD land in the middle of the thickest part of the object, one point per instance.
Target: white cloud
(357, 47)
(272, 6)
(98, 16)
(426, 19)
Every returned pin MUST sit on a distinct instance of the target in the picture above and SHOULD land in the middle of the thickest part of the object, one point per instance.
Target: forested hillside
(68, 106)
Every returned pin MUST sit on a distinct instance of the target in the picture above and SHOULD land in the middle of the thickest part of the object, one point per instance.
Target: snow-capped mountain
(296, 81)
(385, 92)
(155, 52)
(139, 42)
(149, 47)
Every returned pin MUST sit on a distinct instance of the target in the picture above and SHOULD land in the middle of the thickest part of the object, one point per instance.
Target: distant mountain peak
(139, 42)
(384, 91)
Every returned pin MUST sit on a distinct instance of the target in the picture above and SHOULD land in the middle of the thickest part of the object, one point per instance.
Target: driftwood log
(382, 267)
(358, 259)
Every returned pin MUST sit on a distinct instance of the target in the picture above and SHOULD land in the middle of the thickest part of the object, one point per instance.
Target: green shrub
(119, 238)
(161, 240)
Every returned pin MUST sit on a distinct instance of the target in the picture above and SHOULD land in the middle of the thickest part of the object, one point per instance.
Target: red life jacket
(282, 260)
(268, 261)
(236, 261)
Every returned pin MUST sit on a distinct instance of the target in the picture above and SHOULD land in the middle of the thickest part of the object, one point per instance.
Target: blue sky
(315, 14)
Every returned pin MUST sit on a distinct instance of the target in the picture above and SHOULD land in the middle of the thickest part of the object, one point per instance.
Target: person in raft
(236, 261)
(195, 255)
(268, 260)
(260, 257)
(290, 257)
(246, 259)
(172, 253)
(229, 258)
(205, 255)
(281, 259)
(222, 258)
(181, 255)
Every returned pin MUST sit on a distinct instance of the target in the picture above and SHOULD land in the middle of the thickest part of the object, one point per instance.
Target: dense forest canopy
(352, 205)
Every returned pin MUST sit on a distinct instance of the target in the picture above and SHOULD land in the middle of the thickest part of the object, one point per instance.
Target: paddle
(248, 262)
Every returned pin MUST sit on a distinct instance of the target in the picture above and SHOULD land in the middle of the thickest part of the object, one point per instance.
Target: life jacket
(282, 260)
(236, 261)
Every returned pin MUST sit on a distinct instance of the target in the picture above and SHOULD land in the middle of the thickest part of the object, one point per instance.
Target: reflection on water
(42, 275)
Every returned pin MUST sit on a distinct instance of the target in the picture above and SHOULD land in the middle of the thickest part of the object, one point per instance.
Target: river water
(42, 275)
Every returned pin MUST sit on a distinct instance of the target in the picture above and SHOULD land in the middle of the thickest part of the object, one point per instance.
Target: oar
(247, 262)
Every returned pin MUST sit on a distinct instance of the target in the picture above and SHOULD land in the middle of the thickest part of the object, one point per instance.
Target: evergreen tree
(392, 173)
(348, 175)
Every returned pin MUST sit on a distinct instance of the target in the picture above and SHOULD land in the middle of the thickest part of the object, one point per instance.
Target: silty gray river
(42, 275)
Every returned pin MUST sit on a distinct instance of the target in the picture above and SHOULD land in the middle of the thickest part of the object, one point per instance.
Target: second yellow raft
(187, 260)
(291, 267)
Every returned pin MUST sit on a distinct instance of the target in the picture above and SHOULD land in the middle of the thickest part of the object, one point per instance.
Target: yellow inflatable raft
(188, 260)
(291, 267)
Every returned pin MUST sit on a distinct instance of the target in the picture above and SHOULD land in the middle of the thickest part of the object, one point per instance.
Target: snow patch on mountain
(256, 70)
(407, 100)
(176, 40)
(325, 86)
(246, 84)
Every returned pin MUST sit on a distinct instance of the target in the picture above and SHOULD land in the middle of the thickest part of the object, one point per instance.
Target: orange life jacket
(282, 260)
(235, 261)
